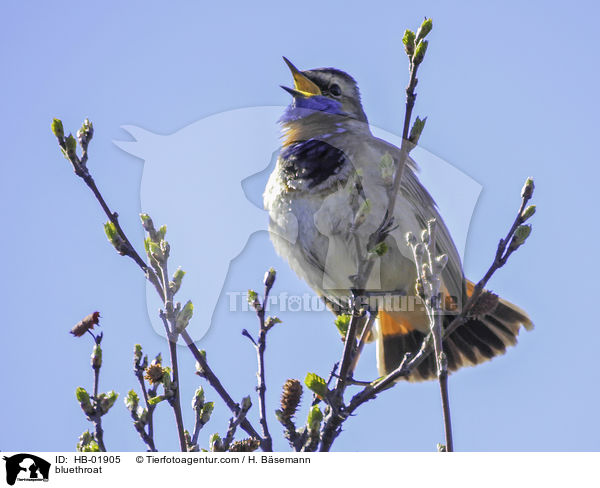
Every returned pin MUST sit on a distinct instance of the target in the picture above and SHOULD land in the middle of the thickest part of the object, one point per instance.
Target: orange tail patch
(470, 287)
(391, 327)
(478, 340)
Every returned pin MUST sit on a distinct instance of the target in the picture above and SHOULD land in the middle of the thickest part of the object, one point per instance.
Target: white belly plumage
(312, 231)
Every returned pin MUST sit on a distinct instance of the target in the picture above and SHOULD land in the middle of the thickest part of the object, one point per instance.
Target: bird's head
(327, 90)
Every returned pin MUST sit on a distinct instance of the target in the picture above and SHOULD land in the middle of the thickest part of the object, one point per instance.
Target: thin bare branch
(127, 249)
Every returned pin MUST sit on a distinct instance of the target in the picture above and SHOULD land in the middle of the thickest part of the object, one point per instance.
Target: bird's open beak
(302, 85)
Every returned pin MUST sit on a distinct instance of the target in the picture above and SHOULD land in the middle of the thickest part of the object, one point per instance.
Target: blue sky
(510, 91)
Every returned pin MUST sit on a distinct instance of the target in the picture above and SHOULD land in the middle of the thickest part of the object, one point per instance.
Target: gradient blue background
(510, 90)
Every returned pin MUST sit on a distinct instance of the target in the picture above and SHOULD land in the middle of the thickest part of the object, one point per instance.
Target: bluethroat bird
(332, 171)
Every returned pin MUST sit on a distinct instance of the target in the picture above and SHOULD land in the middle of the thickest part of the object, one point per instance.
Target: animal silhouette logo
(206, 181)
(26, 467)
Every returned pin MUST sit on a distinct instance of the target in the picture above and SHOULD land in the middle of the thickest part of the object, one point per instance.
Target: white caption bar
(299, 470)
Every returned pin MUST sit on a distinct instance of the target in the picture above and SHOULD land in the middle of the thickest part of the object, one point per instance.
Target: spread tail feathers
(476, 341)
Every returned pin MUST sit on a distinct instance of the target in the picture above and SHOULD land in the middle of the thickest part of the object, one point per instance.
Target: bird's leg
(362, 340)
(385, 228)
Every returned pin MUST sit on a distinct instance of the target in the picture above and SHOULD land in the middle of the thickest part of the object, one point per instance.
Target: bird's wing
(424, 208)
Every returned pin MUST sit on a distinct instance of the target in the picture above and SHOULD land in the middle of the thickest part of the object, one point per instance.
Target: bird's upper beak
(302, 85)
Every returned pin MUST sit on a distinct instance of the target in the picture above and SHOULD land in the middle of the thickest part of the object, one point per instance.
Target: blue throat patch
(304, 106)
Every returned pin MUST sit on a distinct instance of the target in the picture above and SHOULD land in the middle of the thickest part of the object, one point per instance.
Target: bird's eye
(335, 90)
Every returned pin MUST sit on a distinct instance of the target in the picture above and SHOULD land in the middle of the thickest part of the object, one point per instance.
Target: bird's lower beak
(302, 85)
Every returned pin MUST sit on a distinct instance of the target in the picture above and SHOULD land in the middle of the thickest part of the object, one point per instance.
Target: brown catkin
(485, 304)
(85, 324)
(290, 398)
(245, 445)
(154, 373)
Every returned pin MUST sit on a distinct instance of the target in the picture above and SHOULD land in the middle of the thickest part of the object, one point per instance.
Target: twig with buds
(203, 410)
(429, 279)
(98, 404)
(515, 238)
(260, 345)
(290, 399)
(234, 422)
(175, 317)
(143, 417)
(415, 46)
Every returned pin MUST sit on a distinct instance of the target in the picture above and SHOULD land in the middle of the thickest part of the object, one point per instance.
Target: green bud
(82, 394)
(86, 437)
(183, 317)
(177, 279)
(162, 232)
(188, 442)
(316, 384)
(271, 321)
(87, 443)
(137, 355)
(57, 129)
(520, 236)
(425, 29)
(409, 42)
(106, 401)
(380, 249)
(253, 300)
(91, 447)
(156, 400)
(420, 52)
(96, 356)
(315, 418)
(207, 411)
(528, 213)
(85, 134)
(199, 370)
(522, 233)
(71, 146)
(527, 190)
(269, 278)
(166, 380)
(416, 130)
(252, 296)
(132, 401)
(198, 400)
(214, 442)
(155, 251)
(342, 322)
(110, 229)
(83, 398)
(147, 223)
